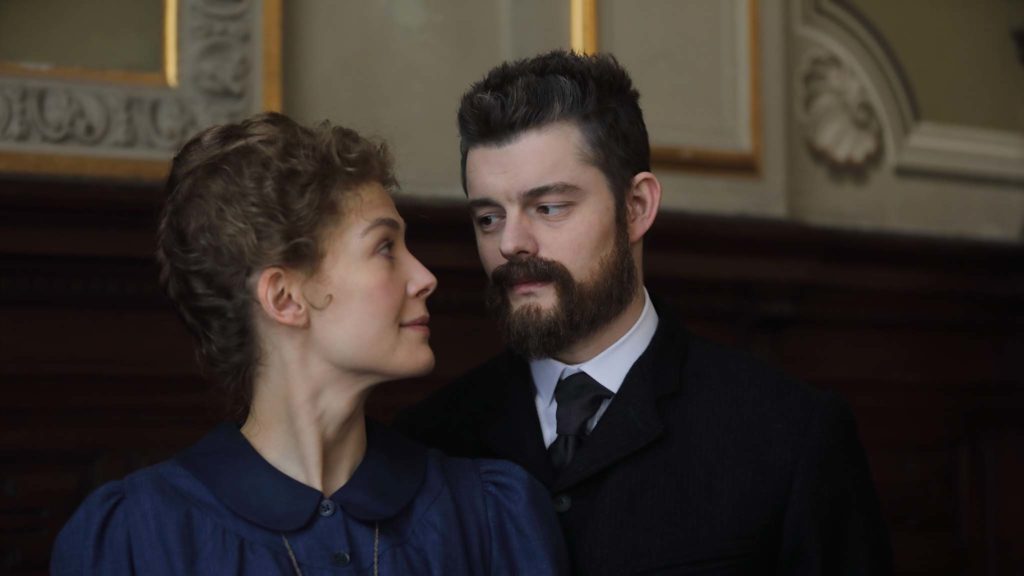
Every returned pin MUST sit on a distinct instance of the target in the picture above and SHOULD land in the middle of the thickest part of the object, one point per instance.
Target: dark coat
(706, 462)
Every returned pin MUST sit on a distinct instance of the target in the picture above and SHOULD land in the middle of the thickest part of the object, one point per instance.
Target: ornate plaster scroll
(908, 143)
(221, 61)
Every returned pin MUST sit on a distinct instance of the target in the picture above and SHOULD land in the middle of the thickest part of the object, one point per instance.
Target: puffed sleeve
(833, 522)
(95, 540)
(525, 537)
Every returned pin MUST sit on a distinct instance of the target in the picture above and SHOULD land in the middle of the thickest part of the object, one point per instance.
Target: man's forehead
(547, 158)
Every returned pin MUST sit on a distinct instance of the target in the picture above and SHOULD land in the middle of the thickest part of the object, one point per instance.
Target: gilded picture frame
(585, 38)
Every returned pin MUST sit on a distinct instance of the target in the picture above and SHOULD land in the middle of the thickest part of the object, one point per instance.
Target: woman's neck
(309, 428)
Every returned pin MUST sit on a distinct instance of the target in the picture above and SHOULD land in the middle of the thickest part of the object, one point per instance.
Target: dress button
(562, 503)
(327, 507)
(340, 559)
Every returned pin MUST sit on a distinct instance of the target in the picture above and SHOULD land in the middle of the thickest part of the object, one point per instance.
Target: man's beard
(580, 309)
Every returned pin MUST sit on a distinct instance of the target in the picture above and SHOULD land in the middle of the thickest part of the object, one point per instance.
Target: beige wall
(959, 56)
(396, 68)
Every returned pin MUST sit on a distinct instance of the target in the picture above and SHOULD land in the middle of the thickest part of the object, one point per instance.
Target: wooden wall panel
(925, 338)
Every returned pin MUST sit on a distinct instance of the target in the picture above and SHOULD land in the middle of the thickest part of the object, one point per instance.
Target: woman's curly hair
(240, 198)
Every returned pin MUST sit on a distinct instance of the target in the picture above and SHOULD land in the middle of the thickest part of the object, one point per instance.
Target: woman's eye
(386, 247)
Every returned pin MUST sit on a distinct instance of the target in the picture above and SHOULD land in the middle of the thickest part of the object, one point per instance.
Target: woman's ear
(279, 292)
(642, 201)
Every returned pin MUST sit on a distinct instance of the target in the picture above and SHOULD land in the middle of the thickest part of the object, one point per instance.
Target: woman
(285, 255)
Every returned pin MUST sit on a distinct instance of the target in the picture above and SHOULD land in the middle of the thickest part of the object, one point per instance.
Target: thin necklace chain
(376, 546)
(376, 551)
(291, 555)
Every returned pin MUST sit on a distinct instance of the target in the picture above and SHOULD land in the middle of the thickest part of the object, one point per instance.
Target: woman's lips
(420, 324)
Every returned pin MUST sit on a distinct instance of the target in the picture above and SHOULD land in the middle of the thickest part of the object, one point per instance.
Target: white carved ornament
(839, 123)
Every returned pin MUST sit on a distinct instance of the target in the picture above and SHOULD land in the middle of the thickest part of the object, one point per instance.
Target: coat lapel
(632, 420)
(514, 430)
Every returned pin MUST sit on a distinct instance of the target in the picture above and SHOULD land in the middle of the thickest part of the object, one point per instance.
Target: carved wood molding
(922, 336)
(837, 29)
(683, 253)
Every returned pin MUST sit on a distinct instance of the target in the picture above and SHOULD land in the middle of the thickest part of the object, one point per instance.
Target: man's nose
(517, 239)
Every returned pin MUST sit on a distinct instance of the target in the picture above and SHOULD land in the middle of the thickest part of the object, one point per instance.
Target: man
(664, 453)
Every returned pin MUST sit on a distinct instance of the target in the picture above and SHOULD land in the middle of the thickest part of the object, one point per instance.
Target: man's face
(549, 239)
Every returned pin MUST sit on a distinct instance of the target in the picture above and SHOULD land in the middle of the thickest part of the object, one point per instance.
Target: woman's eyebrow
(383, 221)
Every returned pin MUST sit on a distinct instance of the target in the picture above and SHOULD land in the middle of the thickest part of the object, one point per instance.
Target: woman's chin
(414, 368)
(426, 368)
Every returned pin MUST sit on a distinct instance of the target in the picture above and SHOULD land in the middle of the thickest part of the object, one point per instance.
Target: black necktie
(578, 396)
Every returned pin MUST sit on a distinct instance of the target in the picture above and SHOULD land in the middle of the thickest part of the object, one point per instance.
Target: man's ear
(642, 201)
(279, 292)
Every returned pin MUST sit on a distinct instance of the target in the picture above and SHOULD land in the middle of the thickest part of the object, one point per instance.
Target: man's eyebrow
(385, 221)
(531, 194)
(476, 203)
(534, 193)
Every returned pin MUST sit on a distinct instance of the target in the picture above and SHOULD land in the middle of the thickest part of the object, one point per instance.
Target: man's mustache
(527, 270)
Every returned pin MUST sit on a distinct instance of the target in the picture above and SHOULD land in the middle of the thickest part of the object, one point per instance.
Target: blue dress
(220, 508)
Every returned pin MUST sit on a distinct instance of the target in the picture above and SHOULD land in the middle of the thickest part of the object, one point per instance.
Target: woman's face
(368, 314)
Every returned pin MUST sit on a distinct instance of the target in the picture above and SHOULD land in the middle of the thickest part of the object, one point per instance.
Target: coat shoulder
(447, 418)
(762, 397)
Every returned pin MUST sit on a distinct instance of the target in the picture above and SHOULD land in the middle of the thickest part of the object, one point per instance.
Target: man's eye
(552, 209)
(486, 221)
(386, 247)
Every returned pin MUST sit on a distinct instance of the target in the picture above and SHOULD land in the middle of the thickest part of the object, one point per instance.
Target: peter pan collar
(382, 485)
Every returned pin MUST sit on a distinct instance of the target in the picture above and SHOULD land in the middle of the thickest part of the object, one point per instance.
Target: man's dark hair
(243, 197)
(593, 92)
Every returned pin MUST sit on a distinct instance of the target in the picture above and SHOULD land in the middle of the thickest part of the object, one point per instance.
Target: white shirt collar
(609, 367)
